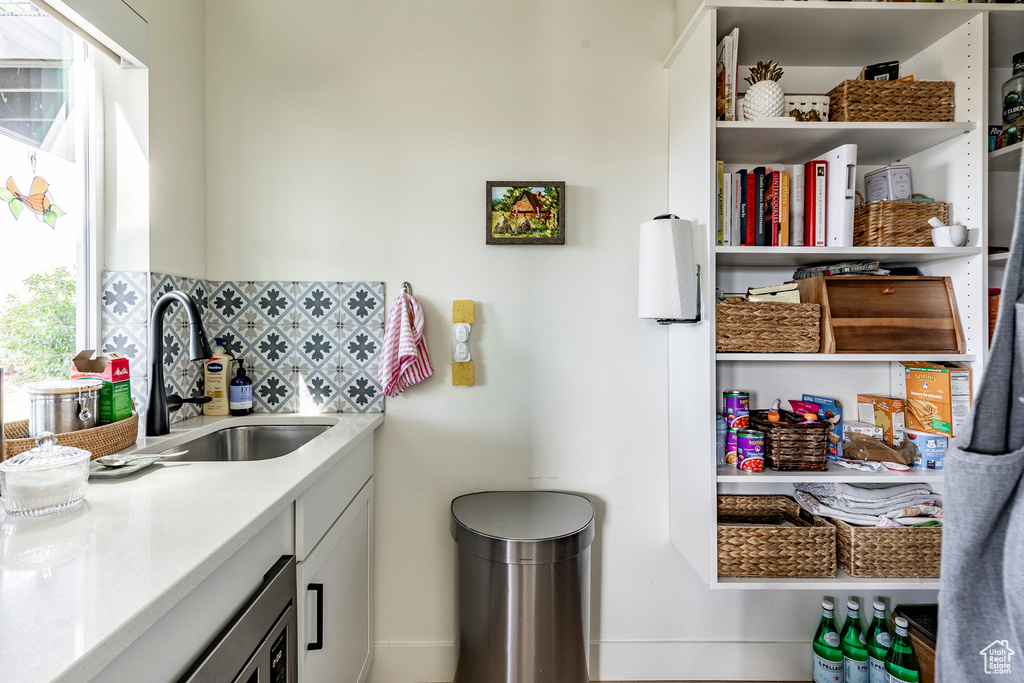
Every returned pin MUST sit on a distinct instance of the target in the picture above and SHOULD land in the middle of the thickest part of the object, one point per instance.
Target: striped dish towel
(404, 361)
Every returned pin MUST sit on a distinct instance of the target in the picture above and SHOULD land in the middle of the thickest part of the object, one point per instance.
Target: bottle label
(893, 678)
(832, 638)
(825, 671)
(1013, 108)
(241, 397)
(901, 631)
(884, 639)
(854, 671)
(876, 671)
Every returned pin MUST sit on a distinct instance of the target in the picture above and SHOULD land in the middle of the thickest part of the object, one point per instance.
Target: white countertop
(77, 588)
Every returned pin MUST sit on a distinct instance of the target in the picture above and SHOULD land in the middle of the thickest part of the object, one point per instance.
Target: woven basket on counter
(792, 443)
(899, 223)
(767, 327)
(99, 441)
(891, 101)
(753, 546)
(889, 552)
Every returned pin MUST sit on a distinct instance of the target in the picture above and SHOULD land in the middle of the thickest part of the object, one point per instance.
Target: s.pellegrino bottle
(900, 662)
(855, 649)
(879, 640)
(827, 656)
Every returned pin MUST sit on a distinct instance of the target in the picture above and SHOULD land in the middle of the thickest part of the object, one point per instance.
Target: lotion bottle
(241, 392)
(216, 375)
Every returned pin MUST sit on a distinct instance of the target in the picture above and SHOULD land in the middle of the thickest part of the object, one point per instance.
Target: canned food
(750, 450)
(737, 409)
(731, 446)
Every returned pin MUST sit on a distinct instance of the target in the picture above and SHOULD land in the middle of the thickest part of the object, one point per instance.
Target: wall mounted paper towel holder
(670, 290)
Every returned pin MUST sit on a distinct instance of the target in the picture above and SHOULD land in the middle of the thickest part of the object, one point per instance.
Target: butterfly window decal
(37, 200)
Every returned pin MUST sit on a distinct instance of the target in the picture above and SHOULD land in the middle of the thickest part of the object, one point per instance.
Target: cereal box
(885, 412)
(828, 409)
(115, 395)
(938, 396)
(931, 448)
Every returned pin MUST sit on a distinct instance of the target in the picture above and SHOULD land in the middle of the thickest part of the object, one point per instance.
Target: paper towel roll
(667, 271)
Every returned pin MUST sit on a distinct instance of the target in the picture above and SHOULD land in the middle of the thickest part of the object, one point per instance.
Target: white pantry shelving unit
(818, 44)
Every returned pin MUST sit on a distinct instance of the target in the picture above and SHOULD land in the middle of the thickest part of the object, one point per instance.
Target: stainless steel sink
(246, 442)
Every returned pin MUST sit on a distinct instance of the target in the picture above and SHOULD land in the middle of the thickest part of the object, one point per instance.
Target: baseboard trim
(620, 661)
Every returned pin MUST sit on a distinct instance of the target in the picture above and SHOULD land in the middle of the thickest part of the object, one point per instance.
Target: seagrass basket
(792, 443)
(889, 552)
(855, 100)
(767, 327)
(752, 544)
(899, 223)
(99, 441)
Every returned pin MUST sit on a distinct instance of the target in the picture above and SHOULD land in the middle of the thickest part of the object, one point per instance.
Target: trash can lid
(523, 527)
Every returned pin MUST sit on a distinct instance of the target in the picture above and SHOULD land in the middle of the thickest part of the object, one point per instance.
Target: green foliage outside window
(37, 328)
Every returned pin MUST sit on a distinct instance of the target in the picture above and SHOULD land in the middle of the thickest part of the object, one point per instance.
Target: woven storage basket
(889, 552)
(891, 101)
(792, 443)
(767, 327)
(900, 223)
(763, 550)
(99, 441)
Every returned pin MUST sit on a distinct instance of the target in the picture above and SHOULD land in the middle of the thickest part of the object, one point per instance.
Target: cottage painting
(525, 212)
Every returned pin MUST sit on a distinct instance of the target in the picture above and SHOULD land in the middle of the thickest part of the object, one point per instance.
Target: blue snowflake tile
(250, 325)
(274, 301)
(362, 394)
(236, 345)
(317, 348)
(174, 348)
(320, 391)
(294, 370)
(128, 341)
(272, 347)
(295, 324)
(124, 298)
(361, 301)
(200, 293)
(273, 393)
(227, 301)
(362, 347)
(339, 325)
(317, 301)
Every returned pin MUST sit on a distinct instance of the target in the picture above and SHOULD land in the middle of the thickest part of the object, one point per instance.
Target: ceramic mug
(949, 236)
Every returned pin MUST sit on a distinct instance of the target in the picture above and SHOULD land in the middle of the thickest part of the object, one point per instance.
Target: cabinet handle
(318, 644)
(888, 290)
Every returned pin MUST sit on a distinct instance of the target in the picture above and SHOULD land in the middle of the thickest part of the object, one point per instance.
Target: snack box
(866, 428)
(827, 409)
(115, 402)
(885, 412)
(938, 396)
(931, 448)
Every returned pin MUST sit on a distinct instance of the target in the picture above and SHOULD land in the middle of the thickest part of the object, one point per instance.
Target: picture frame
(525, 212)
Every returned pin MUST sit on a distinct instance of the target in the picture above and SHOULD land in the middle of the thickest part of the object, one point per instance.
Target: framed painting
(521, 212)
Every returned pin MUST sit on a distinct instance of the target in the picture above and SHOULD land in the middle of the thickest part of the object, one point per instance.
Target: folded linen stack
(901, 505)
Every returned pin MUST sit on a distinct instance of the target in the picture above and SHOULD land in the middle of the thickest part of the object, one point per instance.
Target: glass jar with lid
(46, 479)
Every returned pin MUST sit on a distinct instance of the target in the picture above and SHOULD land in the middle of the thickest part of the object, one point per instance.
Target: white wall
(353, 140)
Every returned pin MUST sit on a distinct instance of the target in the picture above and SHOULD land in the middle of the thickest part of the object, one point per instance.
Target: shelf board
(842, 581)
(791, 142)
(803, 256)
(999, 259)
(834, 473)
(845, 357)
(1005, 159)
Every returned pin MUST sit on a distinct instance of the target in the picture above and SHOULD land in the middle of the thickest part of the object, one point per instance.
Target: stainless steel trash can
(524, 586)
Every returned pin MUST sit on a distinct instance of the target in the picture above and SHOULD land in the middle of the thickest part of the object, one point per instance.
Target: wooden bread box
(885, 314)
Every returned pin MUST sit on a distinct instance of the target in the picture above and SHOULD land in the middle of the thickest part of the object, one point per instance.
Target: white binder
(842, 187)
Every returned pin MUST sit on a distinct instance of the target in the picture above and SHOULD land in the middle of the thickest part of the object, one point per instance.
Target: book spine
(760, 234)
(751, 209)
(735, 72)
(730, 78)
(820, 202)
(773, 209)
(809, 195)
(727, 209)
(737, 200)
(796, 205)
(721, 177)
(784, 192)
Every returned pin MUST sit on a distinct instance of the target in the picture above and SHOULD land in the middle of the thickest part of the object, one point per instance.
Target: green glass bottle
(900, 662)
(855, 649)
(827, 659)
(879, 640)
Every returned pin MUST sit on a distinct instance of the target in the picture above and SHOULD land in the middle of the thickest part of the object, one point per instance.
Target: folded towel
(404, 360)
(909, 516)
(871, 501)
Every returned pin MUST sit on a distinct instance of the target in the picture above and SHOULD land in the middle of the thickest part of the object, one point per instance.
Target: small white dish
(949, 236)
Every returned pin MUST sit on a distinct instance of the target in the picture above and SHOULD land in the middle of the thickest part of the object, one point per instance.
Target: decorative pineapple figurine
(764, 96)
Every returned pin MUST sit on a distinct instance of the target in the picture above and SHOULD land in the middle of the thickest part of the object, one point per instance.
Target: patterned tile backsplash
(308, 346)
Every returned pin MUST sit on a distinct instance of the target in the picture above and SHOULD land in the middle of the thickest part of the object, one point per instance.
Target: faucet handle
(174, 402)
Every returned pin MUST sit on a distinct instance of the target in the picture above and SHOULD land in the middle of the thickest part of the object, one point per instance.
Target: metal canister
(736, 408)
(65, 405)
(750, 456)
(731, 446)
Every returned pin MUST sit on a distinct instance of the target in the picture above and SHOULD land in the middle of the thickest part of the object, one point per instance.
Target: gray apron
(981, 602)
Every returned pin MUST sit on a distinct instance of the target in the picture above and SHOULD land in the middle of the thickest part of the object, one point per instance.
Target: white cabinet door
(335, 599)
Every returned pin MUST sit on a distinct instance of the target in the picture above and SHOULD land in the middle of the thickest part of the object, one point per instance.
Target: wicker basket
(767, 327)
(99, 441)
(891, 101)
(763, 550)
(889, 552)
(792, 443)
(899, 223)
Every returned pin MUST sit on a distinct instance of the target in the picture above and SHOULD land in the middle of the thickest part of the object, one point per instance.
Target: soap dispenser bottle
(216, 374)
(241, 392)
